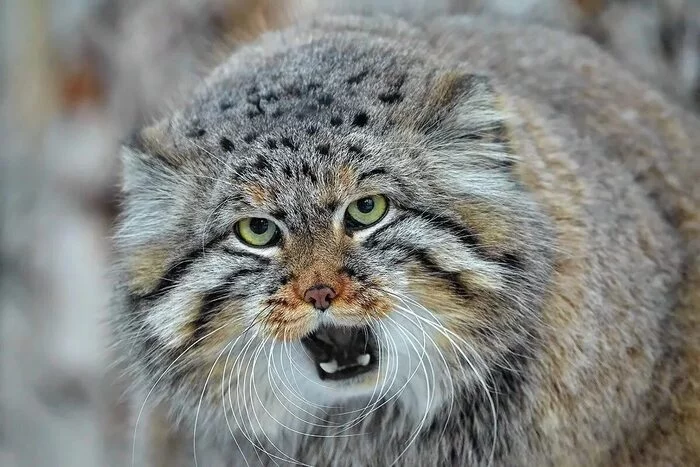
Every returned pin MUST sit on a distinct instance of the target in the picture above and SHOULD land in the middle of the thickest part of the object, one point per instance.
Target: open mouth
(342, 352)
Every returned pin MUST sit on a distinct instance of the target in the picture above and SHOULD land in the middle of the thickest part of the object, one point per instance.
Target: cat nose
(320, 296)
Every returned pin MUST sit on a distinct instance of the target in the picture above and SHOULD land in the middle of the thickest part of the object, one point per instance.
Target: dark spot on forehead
(358, 78)
(288, 143)
(250, 137)
(323, 149)
(512, 261)
(336, 120)
(293, 90)
(270, 96)
(360, 119)
(196, 133)
(306, 170)
(307, 110)
(325, 100)
(271, 143)
(353, 273)
(313, 177)
(262, 164)
(391, 97)
(311, 130)
(355, 149)
(225, 105)
(226, 144)
(396, 82)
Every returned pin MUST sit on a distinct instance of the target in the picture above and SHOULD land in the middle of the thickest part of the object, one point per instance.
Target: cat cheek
(289, 325)
(287, 317)
(358, 309)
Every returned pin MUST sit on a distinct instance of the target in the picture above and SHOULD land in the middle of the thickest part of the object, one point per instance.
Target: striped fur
(491, 306)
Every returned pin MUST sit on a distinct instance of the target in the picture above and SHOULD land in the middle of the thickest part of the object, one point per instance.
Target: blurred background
(76, 77)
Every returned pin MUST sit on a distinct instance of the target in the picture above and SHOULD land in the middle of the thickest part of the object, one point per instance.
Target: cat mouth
(341, 352)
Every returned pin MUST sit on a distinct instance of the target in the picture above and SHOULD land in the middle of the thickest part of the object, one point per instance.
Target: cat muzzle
(342, 352)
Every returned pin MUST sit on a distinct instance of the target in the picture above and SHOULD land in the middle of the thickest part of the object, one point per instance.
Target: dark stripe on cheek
(465, 235)
(451, 278)
(216, 298)
(211, 304)
(172, 276)
(374, 239)
(354, 273)
(512, 261)
(178, 269)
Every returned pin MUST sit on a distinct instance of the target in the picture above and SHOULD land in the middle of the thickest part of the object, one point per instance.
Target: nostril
(320, 296)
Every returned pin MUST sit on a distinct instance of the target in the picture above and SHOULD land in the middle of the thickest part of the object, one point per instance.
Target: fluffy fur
(533, 288)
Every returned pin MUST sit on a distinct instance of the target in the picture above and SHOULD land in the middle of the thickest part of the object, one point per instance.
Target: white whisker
(451, 336)
(138, 417)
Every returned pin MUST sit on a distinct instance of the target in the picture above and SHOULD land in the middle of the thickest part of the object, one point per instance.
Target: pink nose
(320, 296)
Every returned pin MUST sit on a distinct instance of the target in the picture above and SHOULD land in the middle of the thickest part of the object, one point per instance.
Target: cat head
(335, 220)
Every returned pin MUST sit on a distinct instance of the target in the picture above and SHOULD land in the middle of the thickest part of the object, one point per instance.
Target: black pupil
(258, 225)
(365, 205)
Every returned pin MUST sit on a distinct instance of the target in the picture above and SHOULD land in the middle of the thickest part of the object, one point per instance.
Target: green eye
(257, 231)
(366, 212)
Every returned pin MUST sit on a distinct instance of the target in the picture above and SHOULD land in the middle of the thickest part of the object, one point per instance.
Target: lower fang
(363, 359)
(329, 367)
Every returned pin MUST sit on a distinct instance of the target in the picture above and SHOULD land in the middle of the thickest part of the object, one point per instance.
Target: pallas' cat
(364, 242)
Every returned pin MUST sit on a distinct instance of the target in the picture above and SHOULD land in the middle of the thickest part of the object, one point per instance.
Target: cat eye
(365, 212)
(257, 232)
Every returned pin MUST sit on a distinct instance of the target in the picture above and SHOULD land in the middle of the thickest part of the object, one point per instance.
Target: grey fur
(287, 114)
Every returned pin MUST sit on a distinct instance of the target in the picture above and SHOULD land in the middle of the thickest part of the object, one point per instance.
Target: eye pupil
(365, 212)
(259, 225)
(365, 205)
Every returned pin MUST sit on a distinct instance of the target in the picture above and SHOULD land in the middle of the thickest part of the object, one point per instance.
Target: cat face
(329, 223)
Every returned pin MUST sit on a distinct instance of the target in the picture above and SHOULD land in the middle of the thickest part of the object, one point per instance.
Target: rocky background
(76, 76)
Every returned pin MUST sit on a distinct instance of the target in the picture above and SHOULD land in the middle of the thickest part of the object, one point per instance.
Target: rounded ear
(152, 186)
(461, 102)
(148, 160)
(463, 114)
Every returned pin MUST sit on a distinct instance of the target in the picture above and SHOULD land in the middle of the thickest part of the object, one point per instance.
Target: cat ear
(463, 114)
(152, 187)
(148, 160)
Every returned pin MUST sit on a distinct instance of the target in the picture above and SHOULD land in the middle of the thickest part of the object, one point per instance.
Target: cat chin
(285, 393)
(410, 371)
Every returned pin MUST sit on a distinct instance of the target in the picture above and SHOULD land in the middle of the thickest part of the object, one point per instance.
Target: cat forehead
(321, 116)
(332, 85)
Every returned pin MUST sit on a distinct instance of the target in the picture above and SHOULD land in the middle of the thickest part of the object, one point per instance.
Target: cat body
(528, 294)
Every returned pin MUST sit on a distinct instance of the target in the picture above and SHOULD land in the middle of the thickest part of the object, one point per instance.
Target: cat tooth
(329, 367)
(363, 359)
